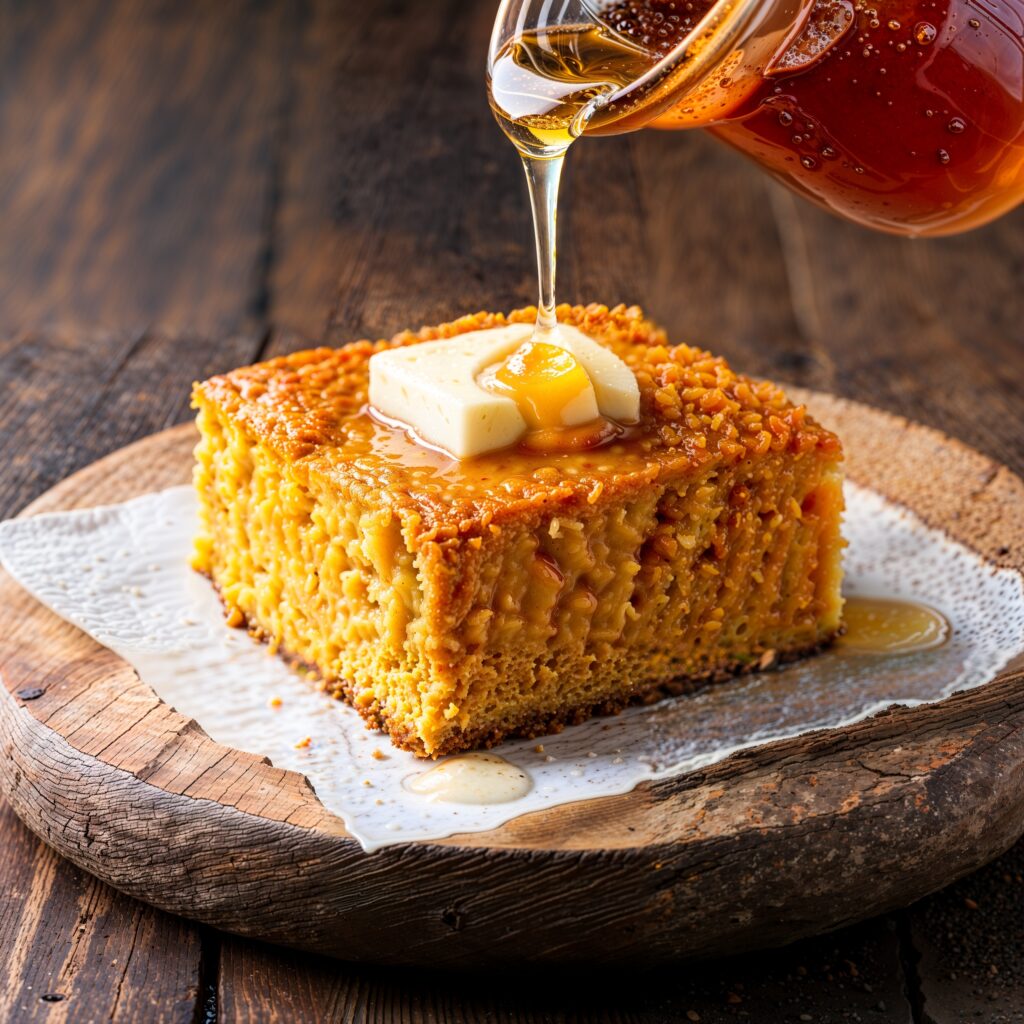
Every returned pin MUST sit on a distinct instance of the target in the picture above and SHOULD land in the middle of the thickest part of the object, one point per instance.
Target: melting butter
(476, 778)
(548, 384)
(879, 625)
(433, 389)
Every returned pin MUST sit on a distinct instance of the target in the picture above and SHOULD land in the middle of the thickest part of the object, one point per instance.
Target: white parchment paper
(121, 574)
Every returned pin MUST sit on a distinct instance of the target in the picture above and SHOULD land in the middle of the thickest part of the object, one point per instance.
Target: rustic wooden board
(71, 942)
(789, 839)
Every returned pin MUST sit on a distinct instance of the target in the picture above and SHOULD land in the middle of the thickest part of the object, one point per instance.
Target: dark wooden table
(188, 186)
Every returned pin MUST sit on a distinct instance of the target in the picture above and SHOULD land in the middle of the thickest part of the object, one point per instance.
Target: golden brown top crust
(309, 409)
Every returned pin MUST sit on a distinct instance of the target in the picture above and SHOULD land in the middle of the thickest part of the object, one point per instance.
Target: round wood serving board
(777, 842)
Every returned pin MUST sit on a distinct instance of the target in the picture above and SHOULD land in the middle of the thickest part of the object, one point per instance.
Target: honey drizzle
(545, 88)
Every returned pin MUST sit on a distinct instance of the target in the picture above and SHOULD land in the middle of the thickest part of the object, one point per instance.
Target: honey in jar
(903, 115)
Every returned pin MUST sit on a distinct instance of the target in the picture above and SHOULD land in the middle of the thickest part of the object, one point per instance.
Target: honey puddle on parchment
(477, 778)
(874, 626)
(880, 625)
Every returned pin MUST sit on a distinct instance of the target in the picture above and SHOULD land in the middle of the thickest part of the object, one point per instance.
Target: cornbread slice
(456, 603)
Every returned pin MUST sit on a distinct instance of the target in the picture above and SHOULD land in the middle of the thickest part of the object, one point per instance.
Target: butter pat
(433, 388)
(618, 394)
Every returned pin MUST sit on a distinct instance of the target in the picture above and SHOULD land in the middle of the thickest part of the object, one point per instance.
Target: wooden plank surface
(237, 171)
(827, 981)
(401, 203)
(918, 327)
(138, 161)
(77, 395)
(76, 950)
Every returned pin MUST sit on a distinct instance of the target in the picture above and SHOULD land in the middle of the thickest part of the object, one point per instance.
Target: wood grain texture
(426, 213)
(83, 394)
(829, 980)
(696, 247)
(76, 950)
(99, 767)
(138, 162)
(920, 329)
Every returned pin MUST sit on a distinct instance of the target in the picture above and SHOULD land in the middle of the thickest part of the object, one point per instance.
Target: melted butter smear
(471, 779)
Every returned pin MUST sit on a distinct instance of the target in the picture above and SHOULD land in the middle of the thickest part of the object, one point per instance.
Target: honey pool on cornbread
(454, 603)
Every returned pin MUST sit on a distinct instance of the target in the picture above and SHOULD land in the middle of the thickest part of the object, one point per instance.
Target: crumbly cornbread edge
(536, 726)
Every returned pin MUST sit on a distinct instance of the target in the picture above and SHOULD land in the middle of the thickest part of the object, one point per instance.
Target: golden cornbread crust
(454, 604)
(694, 410)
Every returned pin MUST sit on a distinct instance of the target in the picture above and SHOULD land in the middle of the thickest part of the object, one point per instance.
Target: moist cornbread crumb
(457, 603)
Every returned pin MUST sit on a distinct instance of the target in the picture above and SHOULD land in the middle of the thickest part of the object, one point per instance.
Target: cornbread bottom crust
(534, 726)
(455, 603)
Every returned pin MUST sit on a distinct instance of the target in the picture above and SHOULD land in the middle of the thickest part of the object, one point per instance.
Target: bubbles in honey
(943, 156)
(829, 69)
(645, 23)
